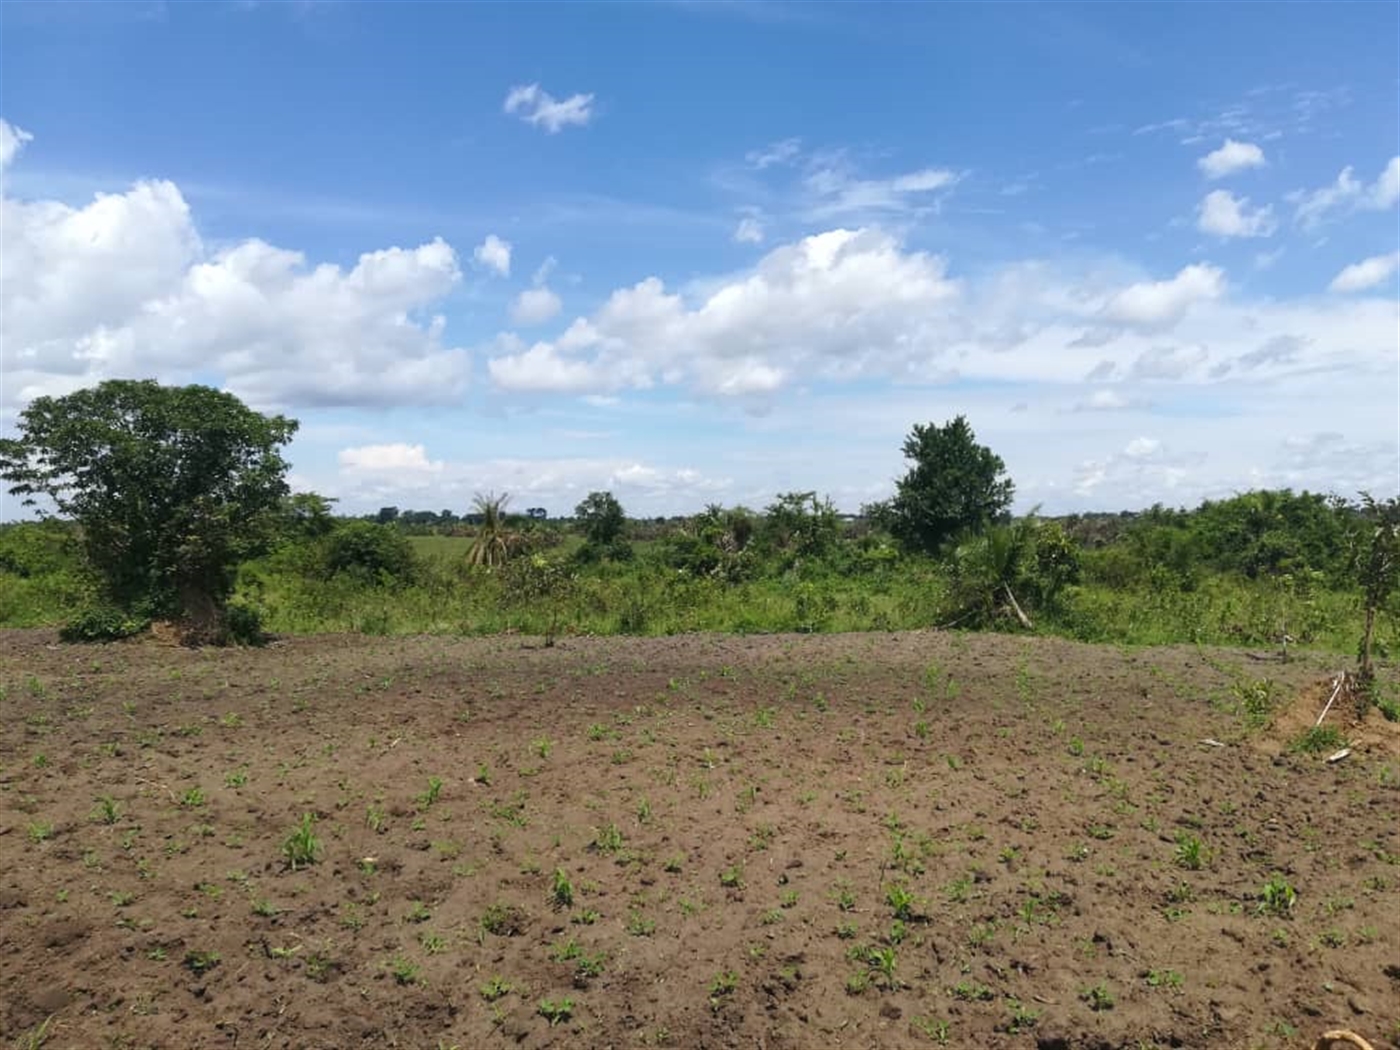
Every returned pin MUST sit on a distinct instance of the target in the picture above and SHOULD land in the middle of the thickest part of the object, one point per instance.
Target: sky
(709, 251)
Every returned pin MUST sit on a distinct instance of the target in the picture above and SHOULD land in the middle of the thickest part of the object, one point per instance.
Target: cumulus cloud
(1223, 214)
(124, 285)
(1347, 194)
(12, 140)
(539, 108)
(1230, 158)
(493, 254)
(749, 231)
(535, 306)
(1358, 277)
(822, 305)
(1164, 303)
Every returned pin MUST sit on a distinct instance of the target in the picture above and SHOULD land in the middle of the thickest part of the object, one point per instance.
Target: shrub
(376, 554)
(102, 623)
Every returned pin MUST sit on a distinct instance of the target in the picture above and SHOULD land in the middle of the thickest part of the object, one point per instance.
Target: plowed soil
(776, 842)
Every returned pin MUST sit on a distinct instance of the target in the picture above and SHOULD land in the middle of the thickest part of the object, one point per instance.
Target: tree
(1376, 564)
(495, 541)
(387, 515)
(954, 485)
(171, 487)
(800, 524)
(602, 518)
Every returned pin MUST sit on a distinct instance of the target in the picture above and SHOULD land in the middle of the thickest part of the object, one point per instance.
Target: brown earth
(737, 818)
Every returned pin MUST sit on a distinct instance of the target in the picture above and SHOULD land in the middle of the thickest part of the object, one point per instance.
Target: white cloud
(494, 254)
(12, 140)
(535, 306)
(1347, 194)
(749, 231)
(1230, 158)
(834, 191)
(1169, 362)
(388, 459)
(824, 306)
(125, 286)
(1164, 303)
(1103, 401)
(1142, 448)
(1366, 274)
(780, 152)
(1223, 214)
(537, 107)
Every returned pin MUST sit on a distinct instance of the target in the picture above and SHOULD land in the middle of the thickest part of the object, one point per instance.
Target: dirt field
(778, 842)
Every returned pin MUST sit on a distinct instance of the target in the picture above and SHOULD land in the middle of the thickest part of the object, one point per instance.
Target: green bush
(102, 623)
(376, 554)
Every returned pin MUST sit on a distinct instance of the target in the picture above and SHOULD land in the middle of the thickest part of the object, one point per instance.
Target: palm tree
(987, 567)
(494, 542)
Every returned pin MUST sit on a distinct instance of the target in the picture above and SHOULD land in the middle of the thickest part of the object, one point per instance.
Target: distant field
(440, 548)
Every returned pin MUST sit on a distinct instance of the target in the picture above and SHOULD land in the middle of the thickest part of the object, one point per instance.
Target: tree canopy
(954, 485)
(171, 487)
(601, 516)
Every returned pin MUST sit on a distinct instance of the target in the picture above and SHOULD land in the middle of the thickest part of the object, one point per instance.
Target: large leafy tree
(602, 519)
(954, 485)
(171, 487)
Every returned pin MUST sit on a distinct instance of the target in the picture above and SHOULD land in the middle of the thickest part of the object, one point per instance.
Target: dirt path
(776, 842)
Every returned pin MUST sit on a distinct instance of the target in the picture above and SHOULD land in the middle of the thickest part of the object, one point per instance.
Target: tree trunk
(1366, 671)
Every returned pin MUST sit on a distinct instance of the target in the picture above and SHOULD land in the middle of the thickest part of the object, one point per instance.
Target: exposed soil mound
(1358, 723)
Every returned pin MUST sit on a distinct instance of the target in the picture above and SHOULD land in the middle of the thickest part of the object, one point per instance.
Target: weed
(265, 908)
(543, 746)
(731, 878)
(503, 920)
(402, 970)
(608, 839)
(1318, 740)
(418, 912)
(638, 926)
(972, 992)
(1164, 979)
(1021, 1019)
(193, 798)
(39, 831)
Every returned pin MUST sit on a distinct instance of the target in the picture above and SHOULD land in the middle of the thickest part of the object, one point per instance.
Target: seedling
(427, 798)
(901, 901)
(1098, 997)
(503, 920)
(200, 963)
(556, 1012)
(1277, 897)
(302, 848)
(1190, 854)
(724, 984)
(107, 811)
(1164, 979)
(561, 894)
(418, 912)
(193, 798)
(403, 971)
(496, 988)
(731, 878)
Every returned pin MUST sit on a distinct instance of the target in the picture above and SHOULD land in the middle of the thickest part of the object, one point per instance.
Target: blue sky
(710, 251)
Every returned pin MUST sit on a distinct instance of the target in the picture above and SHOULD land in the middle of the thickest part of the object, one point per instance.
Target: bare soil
(770, 842)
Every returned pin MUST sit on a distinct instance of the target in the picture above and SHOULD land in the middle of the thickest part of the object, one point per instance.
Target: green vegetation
(171, 489)
(1268, 568)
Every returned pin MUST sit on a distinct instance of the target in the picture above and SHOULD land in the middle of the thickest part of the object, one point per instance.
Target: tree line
(165, 492)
